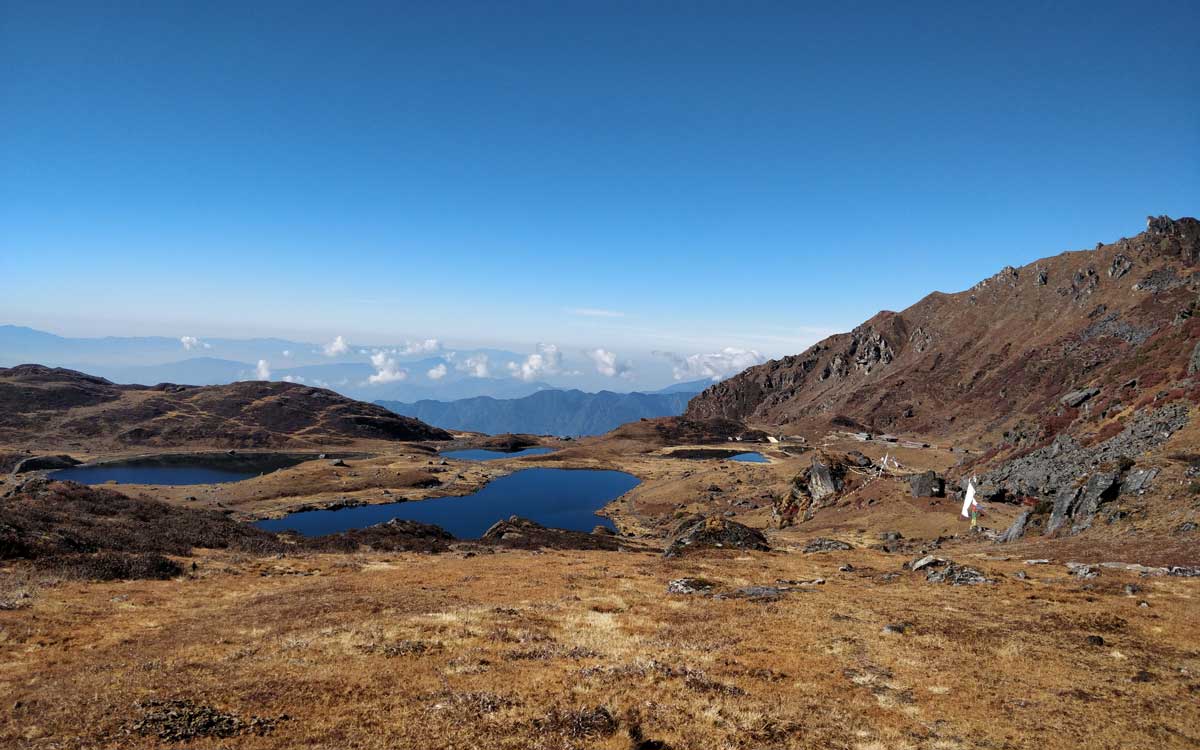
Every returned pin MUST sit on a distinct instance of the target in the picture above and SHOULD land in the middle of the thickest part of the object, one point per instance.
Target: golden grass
(523, 650)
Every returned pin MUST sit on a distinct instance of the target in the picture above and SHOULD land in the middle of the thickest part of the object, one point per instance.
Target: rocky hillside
(1077, 342)
(42, 406)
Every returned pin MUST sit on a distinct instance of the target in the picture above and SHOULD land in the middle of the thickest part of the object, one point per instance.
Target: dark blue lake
(481, 454)
(750, 458)
(180, 469)
(560, 498)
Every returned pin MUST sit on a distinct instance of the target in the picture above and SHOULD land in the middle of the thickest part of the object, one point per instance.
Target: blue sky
(637, 176)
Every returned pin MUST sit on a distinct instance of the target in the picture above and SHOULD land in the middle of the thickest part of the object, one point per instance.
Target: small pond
(181, 469)
(559, 498)
(483, 454)
(750, 458)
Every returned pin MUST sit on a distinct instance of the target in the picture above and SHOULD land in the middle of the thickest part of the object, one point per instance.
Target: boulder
(928, 484)
(715, 533)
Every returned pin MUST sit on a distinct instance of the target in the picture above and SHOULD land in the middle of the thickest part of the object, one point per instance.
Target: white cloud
(715, 366)
(547, 360)
(293, 379)
(437, 373)
(428, 346)
(336, 348)
(477, 366)
(287, 353)
(263, 371)
(593, 312)
(191, 342)
(607, 364)
(387, 369)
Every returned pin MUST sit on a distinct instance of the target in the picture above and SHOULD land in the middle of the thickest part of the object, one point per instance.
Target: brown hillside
(1002, 354)
(52, 406)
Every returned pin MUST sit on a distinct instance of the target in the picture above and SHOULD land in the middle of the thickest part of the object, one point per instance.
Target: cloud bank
(547, 360)
(714, 366)
(477, 366)
(191, 342)
(437, 373)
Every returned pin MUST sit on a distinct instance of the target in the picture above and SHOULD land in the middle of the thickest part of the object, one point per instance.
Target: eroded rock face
(715, 533)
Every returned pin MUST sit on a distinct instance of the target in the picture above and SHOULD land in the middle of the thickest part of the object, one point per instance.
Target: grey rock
(823, 480)
(1017, 529)
(1185, 571)
(1100, 488)
(1120, 266)
(1075, 398)
(690, 586)
(928, 484)
(1082, 570)
(896, 628)
(957, 575)
(714, 533)
(927, 561)
(1064, 505)
(1138, 481)
(822, 544)
(1194, 360)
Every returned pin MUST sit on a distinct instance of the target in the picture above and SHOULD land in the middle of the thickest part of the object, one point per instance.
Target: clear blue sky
(711, 174)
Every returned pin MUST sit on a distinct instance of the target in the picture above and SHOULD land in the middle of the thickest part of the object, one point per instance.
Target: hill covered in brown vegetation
(1074, 342)
(43, 406)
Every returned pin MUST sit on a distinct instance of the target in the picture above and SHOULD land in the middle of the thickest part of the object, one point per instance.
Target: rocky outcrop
(523, 533)
(1051, 471)
(714, 532)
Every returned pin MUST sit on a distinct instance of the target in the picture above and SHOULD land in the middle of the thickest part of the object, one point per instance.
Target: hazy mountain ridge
(555, 412)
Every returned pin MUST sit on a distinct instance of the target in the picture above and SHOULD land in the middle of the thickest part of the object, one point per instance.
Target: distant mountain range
(416, 373)
(556, 412)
